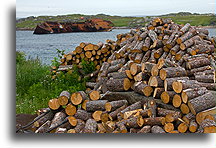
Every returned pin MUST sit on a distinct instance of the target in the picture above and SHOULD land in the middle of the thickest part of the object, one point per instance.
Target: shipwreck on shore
(90, 25)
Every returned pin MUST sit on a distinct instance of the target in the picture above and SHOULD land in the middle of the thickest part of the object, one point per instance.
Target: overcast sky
(26, 8)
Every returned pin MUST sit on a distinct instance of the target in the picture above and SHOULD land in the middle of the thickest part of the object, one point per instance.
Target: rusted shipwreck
(90, 25)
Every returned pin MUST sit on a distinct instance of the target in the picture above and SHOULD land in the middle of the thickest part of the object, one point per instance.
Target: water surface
(44, 46)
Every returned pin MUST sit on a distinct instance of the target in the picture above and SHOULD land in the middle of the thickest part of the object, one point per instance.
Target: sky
(25, 8)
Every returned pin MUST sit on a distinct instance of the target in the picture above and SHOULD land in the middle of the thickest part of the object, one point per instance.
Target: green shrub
(35, 86)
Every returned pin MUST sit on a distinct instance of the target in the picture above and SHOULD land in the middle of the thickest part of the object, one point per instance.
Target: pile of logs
(160, 79)
(97, 53)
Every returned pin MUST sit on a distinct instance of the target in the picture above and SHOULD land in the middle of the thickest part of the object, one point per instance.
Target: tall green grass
(35, 86)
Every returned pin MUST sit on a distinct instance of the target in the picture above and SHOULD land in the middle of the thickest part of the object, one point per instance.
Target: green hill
(120, 21)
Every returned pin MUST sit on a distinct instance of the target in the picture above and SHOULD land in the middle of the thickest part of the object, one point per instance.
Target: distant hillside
(30, 23)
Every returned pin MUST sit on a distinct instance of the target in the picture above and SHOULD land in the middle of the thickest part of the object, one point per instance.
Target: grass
(195, 20)
(35, 86)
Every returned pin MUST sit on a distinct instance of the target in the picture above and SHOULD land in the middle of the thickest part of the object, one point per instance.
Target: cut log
(158, 53)
(176, 101)
(118, 84)
(46, 117)
(154, 121)
(157, 129)
(54, 104)
(80, 126)
(57, 119)
(185, 28)
(198, 63)
(146, 113)
(101, 128)
(97, 115)
(209, 126)
(173, 116)
(72, 120)
(188, 43)
(184, 108)
(138, 58)
(145, 129)
(193, 126)
(146, 44)
(171, 72)
(94, 95)
(186, 36)
(151, 104)
(175, 49)
(84, 104)
(113, 115)
(111, 106)
(205, 78)
(168, 127)
(133, 122)
(137, 105)
(104, 117)
(146, 56)
(152, 35)
(82, 114)
(114, 68)
(70, 109)
(191, 93)
(122, 128)
(134, 130)
(157, 92)
(201, 103)
(96, 105)
(90, 126)
(187, 118)
(63, 98)
(129, 114)
(131, 96)
(135, 68)
(183, 127)
(78, 97)
(168, 82)
(142, 88)
(180, 85)
(209, 86)
(155, 81)
(201, 115)
(167, 96)
(117, 75)
(163, 112)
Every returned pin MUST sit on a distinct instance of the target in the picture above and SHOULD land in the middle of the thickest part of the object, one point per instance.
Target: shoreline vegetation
(121, 22)
(35, 84)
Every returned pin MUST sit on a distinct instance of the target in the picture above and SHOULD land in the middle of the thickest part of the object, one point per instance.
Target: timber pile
(160, 80)
(97, 53)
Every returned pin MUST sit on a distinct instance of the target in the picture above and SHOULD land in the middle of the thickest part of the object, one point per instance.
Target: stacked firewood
(97, 53)
(160, 79)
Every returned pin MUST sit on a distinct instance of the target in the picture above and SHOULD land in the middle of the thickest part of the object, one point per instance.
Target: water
(44, 46)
